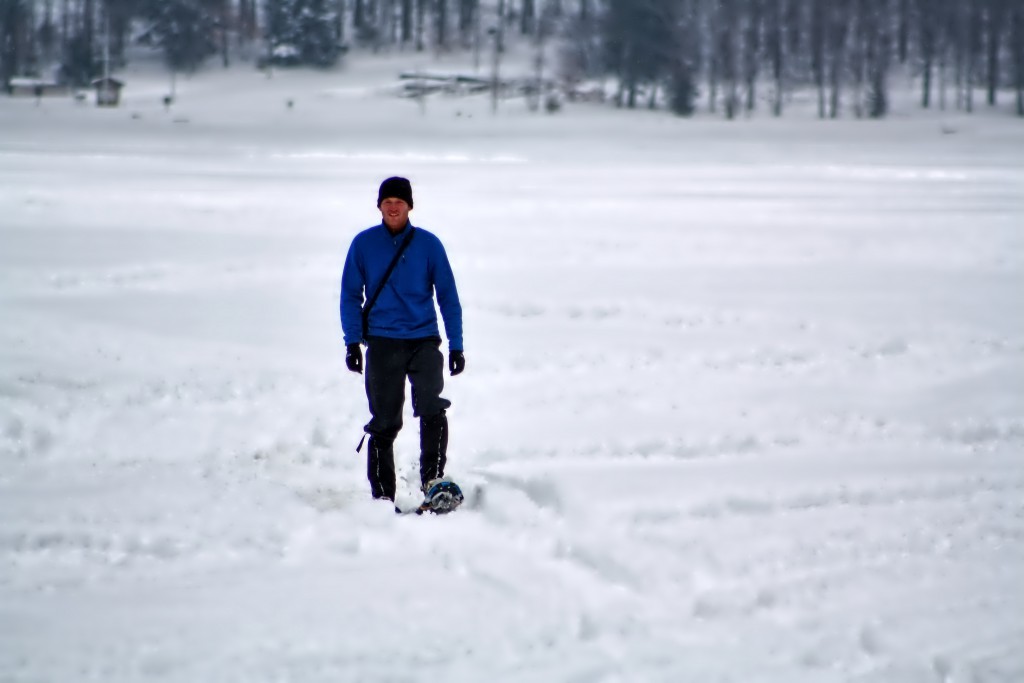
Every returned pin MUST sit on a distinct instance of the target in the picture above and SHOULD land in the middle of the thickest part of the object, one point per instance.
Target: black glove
(456, 362)
(354, 358)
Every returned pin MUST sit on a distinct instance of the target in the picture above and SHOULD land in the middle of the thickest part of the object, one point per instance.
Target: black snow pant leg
(426, 374)
(433, 447)
(387, 361)
(380, 467)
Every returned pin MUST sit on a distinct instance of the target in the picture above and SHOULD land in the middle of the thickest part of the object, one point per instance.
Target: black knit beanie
(400, 188)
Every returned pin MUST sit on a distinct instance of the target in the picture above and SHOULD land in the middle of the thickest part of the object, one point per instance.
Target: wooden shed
(108, 91)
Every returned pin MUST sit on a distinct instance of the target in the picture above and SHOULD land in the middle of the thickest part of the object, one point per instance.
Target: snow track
(741, 408)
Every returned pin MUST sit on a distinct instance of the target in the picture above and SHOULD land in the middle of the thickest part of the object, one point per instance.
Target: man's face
(395, 213)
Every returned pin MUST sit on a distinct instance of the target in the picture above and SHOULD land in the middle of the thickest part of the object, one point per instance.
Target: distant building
(35, 87)
(108, 91)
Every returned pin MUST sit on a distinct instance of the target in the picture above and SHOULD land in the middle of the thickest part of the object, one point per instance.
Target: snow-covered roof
(108, 79)
(29, 82)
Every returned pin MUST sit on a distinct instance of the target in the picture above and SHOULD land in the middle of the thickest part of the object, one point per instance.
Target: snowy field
(746, 400)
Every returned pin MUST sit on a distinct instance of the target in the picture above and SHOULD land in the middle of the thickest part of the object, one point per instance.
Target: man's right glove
(354, 358)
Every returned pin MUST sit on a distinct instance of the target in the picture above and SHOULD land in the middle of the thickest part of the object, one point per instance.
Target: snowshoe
(442, 496)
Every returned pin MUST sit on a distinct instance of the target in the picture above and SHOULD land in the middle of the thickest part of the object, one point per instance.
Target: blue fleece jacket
(405, 307)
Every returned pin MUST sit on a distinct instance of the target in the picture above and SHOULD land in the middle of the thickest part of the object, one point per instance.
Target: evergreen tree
(13, 17)
(685, 68)
(640, 43)
(310, 26)
(184, 29)
(119, 14)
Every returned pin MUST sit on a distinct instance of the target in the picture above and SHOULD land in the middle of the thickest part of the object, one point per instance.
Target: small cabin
(108, 91)
(35, 87)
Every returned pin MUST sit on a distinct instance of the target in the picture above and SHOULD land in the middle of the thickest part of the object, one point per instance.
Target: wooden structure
(108, 91)
(35, 87)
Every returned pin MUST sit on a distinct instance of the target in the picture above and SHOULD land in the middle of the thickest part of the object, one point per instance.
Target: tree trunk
(943, 74)
(926, 29)
(65, 28)
(468, 9)
(752, 50)
(225, 11)
(993, 24)
(839, 22)
(89, 32)
(818, 27)
(406, 22)
(727, 55)
(776, 52)
(1017, 52)
(792, 21)
(714, 60)
(972, 56)
(441, 25)
(421, 11)
(340, 30)
(878, 59)
(858, 55)
(500, 27)
(527, 17)
(358, 16)
(960, 56)
(903, 38)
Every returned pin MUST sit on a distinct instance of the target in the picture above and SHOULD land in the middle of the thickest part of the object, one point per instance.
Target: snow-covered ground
(746, 399)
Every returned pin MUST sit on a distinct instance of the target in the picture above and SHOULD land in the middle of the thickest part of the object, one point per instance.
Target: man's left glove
(354, 358)
(456, 362)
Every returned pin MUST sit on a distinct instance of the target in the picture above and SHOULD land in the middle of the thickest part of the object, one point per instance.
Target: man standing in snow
(398, 269)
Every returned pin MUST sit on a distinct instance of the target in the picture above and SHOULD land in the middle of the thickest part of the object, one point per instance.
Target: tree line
(845, 51)
(734, 56)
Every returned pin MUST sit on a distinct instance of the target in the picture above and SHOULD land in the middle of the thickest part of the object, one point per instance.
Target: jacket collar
(400, 234)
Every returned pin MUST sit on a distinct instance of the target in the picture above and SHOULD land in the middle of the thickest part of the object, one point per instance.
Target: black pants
(388, 363)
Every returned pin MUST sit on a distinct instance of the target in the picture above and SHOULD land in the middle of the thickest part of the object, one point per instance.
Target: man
(401, 334)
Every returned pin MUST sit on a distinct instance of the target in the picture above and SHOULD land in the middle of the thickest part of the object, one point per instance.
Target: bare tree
(965, 34)
(754, 21)
(441, 24)
(995, 17)
(711, 19)
(1017, 53)
(421, 20)
(775, 43)
(903, 23)
(527, 17)
(928, 14)
(469, 11)
(879, 54)
(728, 44)
(819, 38)
(838, 28)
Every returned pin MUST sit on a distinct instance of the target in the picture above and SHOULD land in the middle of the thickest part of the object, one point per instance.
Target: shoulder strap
(387, 273)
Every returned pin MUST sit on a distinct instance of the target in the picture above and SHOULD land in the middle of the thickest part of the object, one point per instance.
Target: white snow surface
(745, 400)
